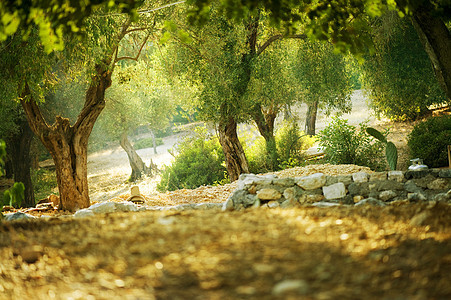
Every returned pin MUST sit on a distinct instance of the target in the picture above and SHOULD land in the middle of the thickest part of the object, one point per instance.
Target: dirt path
(307, 253)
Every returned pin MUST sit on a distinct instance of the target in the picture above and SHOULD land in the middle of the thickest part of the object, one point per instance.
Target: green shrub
(428, 140)
(44, 183)
(147, 143)
(290, 143)
(200, 161)
(346, 144)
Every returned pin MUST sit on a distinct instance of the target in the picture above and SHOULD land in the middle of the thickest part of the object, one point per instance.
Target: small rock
(396, 176)
(415, 197)
(289, 204)
(445, 173)
(83, 213)
(268, 194)
(297, 286)
(387, 195)
(360, 177)
(371, 201)
(307, 198)
(273, 204)
(334, 191)
(103, 207)
(378, 176)
(228, 205)
(18, 216)
(357, 198)
(290, 193)
(438, 184)
(411, 187)
(311, 182)
(325, 204)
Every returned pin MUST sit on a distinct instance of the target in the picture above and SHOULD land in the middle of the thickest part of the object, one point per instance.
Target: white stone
(126, 206)
(103, 207)
(334, 191)
(387, 195)
(82, 213)
(18, 216)
(298, 286)
(268, 194)
(396, 175)
(360, 177)
(311, 182)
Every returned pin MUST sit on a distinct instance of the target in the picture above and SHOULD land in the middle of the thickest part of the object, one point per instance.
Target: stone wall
(357, 189)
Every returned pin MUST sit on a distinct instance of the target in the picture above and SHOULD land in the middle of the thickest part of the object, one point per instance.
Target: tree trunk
(310, 121)
(235, 159)
(68, 144)
(265, 125)
(136, 163)
(436, 40)
(19, 153)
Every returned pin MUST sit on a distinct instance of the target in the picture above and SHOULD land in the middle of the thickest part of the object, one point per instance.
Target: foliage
(147, 143)
(54, 17)
(2, 156)
(346, 144)
(391, 153)
(429, 140)
(44, 182)
(322, 76)
(290, 142)
(343, 22)
(399, 76)
(199, 161)
(14, 196)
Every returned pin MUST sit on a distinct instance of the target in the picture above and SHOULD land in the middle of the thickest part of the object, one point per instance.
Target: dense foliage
(290, 143)
(198, 161)
(347, 144)
(399, 75)
(429, 140)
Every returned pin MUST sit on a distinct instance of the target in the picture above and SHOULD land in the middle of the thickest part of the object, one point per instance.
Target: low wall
(359, 188)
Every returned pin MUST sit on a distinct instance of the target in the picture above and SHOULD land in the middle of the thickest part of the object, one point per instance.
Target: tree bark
(19, 153)
(235, 159)
(68, 145)
(265, 125)
(310, 121)
(436, 40)
(136, 163)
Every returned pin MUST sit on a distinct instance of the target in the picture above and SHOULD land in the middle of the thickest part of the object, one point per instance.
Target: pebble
(297, 286)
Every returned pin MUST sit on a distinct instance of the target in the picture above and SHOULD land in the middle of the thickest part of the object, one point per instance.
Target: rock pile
(358, 188)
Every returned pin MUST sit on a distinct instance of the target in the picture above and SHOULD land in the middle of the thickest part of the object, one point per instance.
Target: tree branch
(279, 37)
(137, 55)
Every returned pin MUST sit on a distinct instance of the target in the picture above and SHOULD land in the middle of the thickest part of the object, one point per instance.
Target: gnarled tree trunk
(19, 154)
(68, 144)
(235, 159)
(265, 125)
(310, 120)
(136, 163)
(436, 40)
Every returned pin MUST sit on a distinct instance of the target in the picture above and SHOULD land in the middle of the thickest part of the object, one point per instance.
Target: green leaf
(376, 134)
(391, 154)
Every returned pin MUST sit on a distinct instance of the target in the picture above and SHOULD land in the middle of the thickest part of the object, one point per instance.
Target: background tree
(345, 23)
(322, 76)
(140, 96)
(398, 75)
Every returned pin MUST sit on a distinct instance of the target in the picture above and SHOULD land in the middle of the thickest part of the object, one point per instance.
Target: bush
(345, 144)
(147, 143)
(44, 183)
(200, 161)
(428, 140)
(290, 142)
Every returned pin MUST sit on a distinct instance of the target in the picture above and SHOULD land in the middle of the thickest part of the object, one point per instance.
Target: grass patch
(44, 183)
(147, 143)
